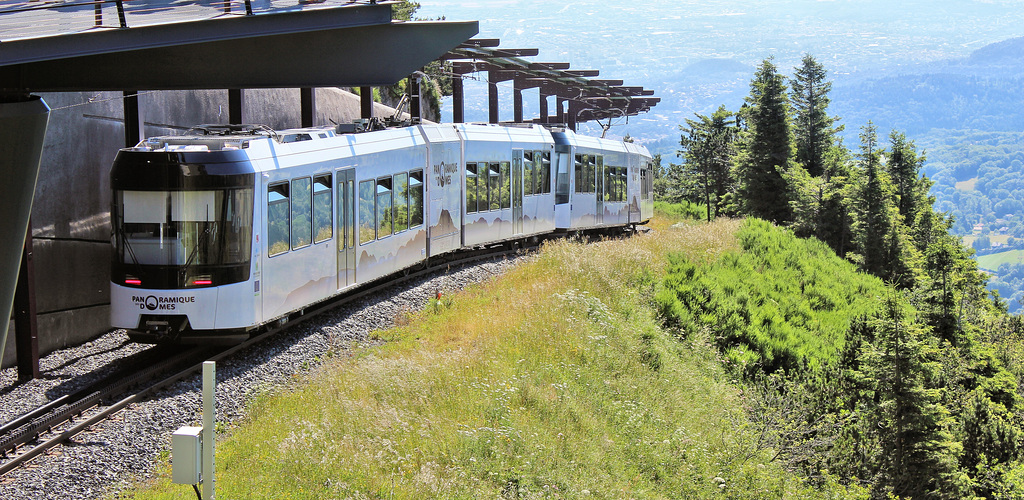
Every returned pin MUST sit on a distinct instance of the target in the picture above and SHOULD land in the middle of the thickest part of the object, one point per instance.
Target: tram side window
(562, 188)
(322, 200)
(623, 183)
(598, 167)
(544, 174)
(609, 185)
(302, 213)
(385, 219)
(367, 212)
(579, 169)
(471, 188)
(493, 190)
(415, 199)
(401, 202)
(277, 219)
(528, 173)
(506, 186)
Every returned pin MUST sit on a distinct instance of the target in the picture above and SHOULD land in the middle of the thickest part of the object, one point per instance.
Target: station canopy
(588, 98)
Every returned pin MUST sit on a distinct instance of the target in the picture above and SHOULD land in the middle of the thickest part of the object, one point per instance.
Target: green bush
(779, 303)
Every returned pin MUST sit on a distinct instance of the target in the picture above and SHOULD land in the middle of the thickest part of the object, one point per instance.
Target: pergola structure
(587, 99)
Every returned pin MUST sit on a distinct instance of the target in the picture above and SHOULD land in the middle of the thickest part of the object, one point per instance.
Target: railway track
(48, 426)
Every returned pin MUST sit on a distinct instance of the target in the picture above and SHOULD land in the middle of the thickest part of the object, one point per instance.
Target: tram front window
(184, 228)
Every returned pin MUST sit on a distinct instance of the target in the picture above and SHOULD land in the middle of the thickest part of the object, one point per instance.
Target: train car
(507, 182)
(225, 229)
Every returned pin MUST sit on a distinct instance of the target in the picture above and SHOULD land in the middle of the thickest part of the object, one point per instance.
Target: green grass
(551, 381)
(994, 260)
(781, 303)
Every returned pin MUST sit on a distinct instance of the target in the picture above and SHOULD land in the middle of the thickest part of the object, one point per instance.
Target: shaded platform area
(146, 45)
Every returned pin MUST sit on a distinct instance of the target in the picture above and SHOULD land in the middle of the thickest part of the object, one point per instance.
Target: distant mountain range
(699, 55)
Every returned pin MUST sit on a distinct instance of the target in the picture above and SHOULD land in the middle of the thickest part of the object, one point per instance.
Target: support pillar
(366, 102)
(236, 104)
(307, 96)
(26, 337)
(574, 109)
(543, 108)
(132, 123)
(23, 120)
(414, 99)
(492, 97)
(458, 100)
(560, 109)
(517, 102)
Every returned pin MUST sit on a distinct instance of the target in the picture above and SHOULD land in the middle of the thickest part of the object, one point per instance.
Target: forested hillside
(906, 382)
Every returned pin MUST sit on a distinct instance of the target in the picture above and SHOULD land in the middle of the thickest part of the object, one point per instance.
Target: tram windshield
(184, 228)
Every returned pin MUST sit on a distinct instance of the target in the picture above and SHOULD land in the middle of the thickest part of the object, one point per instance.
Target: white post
(209, 430)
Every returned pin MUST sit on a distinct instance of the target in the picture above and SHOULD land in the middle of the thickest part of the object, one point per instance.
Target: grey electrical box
(186, 455)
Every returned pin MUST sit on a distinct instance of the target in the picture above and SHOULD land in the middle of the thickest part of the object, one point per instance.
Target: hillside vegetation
(555, 380)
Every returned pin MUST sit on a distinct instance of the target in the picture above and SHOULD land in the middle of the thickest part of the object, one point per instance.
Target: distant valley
(950, 75)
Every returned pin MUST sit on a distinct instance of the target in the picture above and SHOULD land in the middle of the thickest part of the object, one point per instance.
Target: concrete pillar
(366, 102)
(25, 314)
(307, 105)
(22, 130)
(132, 122)
(236, 106)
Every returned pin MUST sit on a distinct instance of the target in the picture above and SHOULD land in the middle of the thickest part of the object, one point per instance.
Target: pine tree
(873, 207)
(707, 148)
(766, 148)
(904, 166)
(834, 215)
(917, 458)
(813, 129)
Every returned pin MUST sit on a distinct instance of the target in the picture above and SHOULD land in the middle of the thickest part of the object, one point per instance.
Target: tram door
(517, 191)
(345, 236)
(599, 190)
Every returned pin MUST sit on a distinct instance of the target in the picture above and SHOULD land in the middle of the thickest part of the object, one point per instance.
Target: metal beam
(492, 97)
(458, 101)
(326, 58)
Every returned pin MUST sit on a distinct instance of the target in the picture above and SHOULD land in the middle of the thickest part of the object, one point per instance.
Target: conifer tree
(835, 216)
(766, 148)
(707, 148)
(917, 458)
(813, 129)
(873, 207)
(904, 166)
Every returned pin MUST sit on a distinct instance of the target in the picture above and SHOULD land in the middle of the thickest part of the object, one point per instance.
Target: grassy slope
(554, 380)
(994, 260)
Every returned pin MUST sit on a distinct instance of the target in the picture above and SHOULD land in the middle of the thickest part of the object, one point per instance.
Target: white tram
(227, 228)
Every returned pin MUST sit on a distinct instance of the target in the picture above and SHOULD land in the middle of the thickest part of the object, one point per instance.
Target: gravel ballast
(103, 460)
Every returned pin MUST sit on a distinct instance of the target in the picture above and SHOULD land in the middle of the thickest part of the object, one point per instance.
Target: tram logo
(154, 303)
(443, 173)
